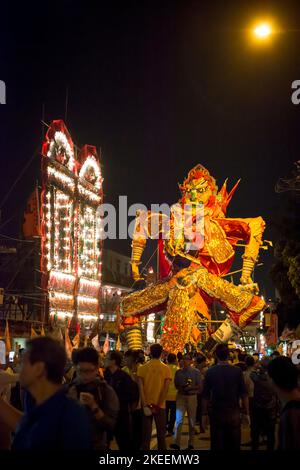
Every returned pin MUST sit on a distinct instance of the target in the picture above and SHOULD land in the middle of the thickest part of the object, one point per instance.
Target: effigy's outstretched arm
(147, 225)
(257, 227)
(138, 244)
(250, 230)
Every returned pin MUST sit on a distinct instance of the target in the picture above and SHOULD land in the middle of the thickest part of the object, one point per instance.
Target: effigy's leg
(179, 321)
(242, 305)
(139, 303)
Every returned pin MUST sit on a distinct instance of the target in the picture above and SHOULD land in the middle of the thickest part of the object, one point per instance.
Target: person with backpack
(100, 400)
(264, 407)
(125, 389)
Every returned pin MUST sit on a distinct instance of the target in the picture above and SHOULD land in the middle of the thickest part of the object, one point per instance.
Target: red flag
(76, 341)
(68, 344)
(95, 342)
(164, 264)
(106, 345)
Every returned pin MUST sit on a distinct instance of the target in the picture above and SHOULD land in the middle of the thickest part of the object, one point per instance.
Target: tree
(285, 273)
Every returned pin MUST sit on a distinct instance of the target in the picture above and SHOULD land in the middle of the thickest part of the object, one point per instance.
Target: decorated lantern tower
(71, 224)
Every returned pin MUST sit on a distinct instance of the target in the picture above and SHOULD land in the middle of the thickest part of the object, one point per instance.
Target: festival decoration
(118, 344)
(95, 342)
(76, 341)
(194, 278)
(7, 339)
(106, 347)
(68, 344)
(71, 224)
(33, 333)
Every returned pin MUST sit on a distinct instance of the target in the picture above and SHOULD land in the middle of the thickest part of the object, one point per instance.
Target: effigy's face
(198, 192)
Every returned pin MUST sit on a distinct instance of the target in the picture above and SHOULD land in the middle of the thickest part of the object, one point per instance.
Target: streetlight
(262, 30)
(101, 317)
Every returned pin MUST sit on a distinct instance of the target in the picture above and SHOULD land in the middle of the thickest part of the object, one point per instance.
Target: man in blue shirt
(188, 383)
(56, 421)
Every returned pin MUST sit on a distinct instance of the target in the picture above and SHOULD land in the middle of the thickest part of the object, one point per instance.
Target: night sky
(159, 86)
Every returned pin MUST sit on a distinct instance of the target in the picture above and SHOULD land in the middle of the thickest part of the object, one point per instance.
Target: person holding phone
(99, 399)
(188, 383)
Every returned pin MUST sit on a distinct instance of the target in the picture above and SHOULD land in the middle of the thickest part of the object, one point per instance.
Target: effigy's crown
(199, 172)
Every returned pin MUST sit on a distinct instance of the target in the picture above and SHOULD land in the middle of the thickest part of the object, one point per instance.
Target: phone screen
(11, 356)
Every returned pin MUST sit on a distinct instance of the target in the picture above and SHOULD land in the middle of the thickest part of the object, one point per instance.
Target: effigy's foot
(221, 335)
(234, 324)
(209, 346)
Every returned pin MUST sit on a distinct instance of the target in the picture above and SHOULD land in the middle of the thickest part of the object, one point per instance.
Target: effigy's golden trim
(179, 321)
(217, 245)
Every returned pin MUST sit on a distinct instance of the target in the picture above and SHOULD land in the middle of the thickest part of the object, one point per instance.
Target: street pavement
(201, 441)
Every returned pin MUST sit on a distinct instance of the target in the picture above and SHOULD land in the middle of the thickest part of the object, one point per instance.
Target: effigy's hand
(184, 281)
(245, 279)
(251, 287)
(135, 271)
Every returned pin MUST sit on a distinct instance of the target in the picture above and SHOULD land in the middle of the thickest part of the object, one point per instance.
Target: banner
(272, 333)
(31, 224)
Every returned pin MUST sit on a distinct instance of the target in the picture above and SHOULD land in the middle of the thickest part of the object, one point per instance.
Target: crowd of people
(96, 402)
